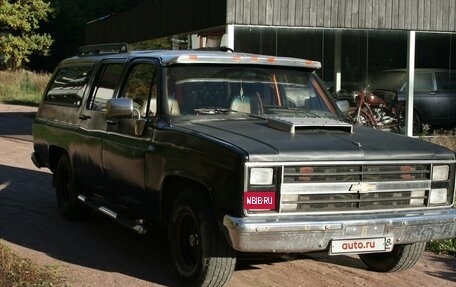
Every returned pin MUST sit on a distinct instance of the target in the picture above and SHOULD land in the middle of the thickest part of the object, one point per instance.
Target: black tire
(402, 257)
(67, 195)
(200, 253)
(417, 124)
(362, 120)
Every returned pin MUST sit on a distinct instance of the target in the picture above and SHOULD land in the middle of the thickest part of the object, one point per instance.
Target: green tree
(19, 22)
(160, 43)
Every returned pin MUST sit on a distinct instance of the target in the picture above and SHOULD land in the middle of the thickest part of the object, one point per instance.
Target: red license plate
(259, 200)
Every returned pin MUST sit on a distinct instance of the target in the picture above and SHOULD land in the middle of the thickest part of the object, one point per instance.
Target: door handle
(84, 117)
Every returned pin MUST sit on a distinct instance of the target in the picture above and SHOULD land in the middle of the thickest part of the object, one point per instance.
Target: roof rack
(112, 48)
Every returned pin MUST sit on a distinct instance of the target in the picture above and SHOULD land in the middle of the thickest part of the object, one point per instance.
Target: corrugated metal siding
(419, 15)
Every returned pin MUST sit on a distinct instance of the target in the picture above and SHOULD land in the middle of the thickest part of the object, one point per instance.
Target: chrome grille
(354, 187)
(355, 173)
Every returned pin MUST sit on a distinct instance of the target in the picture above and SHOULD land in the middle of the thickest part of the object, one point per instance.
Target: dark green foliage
(68, 26)
(155, 44)
(19, 22)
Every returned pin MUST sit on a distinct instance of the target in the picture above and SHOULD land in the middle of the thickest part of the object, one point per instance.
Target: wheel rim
(189, 242)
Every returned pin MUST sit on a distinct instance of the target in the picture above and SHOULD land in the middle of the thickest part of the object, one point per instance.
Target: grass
(19, 272)
(22, 87)
(448, 140)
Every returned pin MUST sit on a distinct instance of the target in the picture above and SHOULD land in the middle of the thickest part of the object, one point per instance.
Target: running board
(137, 226)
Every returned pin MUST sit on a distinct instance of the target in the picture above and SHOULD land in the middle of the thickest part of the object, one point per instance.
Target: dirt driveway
(98, 252)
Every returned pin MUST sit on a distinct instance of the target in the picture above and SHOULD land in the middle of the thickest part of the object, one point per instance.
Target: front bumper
(285, 234)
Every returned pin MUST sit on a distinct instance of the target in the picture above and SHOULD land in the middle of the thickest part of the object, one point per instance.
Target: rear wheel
(417, 125)
(402, 257)
(199, 251)
(67, 196)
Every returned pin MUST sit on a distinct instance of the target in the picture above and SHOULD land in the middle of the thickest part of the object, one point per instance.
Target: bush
(442, 246)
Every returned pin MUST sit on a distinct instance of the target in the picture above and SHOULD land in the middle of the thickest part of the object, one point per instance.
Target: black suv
(236, 153)
(434, 94)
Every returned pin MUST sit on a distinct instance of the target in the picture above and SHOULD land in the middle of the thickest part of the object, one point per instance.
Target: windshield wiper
(211, 111)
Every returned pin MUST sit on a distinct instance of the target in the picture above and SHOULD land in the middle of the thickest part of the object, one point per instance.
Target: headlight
(261, 176)
(440, 172)
(438, 196)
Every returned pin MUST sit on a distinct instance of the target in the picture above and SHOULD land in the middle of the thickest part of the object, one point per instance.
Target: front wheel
(199, 251)
(362, 119)
(402, 257)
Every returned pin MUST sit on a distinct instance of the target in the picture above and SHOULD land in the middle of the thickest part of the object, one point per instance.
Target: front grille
(354, 187)
(293, 174)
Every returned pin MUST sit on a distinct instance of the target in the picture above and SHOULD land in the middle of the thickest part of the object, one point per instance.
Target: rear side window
(68, 86)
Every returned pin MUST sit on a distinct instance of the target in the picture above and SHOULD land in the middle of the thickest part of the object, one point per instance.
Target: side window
(105, 85)
(423, 82)
(68, 86)
(139, 86)
(445, 80)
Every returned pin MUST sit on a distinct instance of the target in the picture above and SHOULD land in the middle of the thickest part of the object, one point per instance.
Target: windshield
(208, 90)
(388, 80)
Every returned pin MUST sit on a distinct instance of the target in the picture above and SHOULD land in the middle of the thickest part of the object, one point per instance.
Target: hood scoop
(293, 125)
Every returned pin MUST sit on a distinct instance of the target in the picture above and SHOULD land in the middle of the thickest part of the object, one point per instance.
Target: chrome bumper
(312, 233)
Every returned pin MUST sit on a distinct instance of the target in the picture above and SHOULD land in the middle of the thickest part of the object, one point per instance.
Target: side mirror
(344, 106)
(119, 108)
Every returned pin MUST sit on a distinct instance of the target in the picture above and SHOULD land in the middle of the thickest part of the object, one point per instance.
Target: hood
(305, 139)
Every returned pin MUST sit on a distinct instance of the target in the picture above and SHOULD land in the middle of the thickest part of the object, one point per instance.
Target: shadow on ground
(17, 125)
(29, 218)
(450, 262)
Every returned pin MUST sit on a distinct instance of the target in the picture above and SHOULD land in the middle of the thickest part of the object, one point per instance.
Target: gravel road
(98, 252)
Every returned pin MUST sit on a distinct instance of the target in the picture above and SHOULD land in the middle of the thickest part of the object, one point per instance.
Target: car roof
(171, 57)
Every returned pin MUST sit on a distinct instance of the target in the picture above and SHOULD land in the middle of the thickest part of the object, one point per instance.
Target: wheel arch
(173, 185)
(55, 153)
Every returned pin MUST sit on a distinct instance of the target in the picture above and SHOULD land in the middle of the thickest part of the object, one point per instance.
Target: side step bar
(136, 226)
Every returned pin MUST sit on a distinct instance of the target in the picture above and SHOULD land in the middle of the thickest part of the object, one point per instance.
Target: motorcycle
(373, 111)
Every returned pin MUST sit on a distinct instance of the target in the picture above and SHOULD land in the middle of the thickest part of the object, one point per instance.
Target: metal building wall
(419, 15)
(158, 18)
